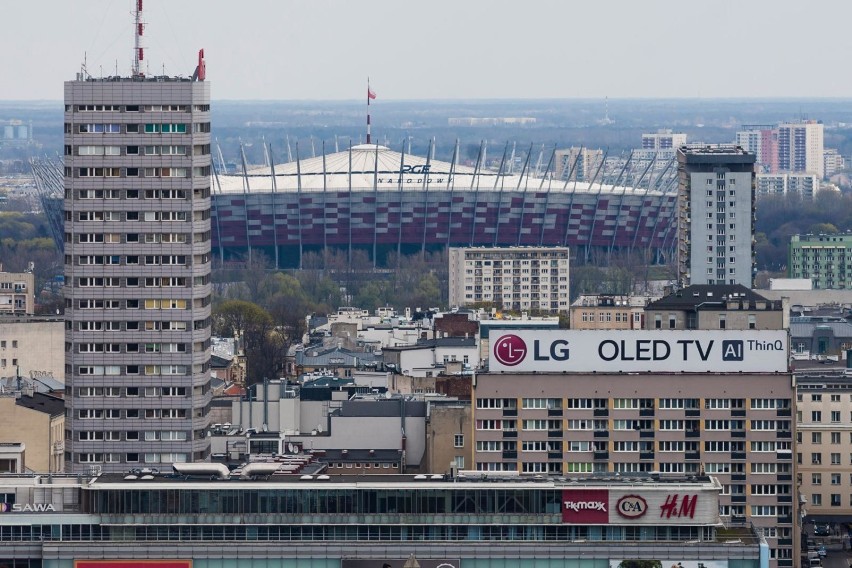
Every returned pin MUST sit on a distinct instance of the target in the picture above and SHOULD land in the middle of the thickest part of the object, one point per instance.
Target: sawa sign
(614, 351)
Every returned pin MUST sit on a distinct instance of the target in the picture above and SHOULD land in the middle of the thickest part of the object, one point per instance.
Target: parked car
(822, 530)
(822, 551)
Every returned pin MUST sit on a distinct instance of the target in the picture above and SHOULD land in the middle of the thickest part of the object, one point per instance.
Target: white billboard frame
(638, 351)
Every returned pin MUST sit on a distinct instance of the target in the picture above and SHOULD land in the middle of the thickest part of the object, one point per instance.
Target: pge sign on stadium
(636, 351)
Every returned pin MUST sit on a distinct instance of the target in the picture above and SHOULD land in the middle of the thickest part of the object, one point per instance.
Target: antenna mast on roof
(138, 50)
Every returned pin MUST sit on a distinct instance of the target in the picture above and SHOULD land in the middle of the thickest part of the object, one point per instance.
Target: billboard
(641, 506)
(638, 351)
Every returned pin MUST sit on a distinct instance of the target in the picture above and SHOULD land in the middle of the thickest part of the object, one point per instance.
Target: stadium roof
(375, 167)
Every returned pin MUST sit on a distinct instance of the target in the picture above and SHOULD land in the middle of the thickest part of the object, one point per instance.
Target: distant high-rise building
(804, 184)
(137, 271)
(510, 278)
(716, 191)
(580, 164)
(762, 141)
(800, 147)
(833, 162)
(663, 139)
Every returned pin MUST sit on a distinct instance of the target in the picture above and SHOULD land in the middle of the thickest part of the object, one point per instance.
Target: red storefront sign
(585, 506)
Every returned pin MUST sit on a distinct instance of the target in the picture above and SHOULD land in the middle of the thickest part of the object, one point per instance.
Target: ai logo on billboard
(732, 350)
(510, 350)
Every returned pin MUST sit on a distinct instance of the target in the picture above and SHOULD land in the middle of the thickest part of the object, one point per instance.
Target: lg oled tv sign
(636, 351)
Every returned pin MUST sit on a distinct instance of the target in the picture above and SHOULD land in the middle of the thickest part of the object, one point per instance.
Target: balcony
(784, 434)
(601, 412)
(738, 434)
(785, 477)
(785, 498)
(554, 412)
(692, 456)
(738, 498)
(782, 412)
(510, 412)
(785, 520)
(507, 455)
(646, 433)
(692, 413)
(646, 412)
(510, 433)
(738, 413)
(554, 433)
(601, 455)
(693, 433)
(738, 477)
(601, 433)
(646, 455)
(554, 455)
(738, 455)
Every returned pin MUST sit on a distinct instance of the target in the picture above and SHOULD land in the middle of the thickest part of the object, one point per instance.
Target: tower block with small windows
(137, 270)
(715, 221)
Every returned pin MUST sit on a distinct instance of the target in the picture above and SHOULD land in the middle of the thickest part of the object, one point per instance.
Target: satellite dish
(290, 448)
(319, 427)
(387, 394)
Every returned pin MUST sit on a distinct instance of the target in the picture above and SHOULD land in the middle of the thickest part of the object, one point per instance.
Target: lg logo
(510, 350)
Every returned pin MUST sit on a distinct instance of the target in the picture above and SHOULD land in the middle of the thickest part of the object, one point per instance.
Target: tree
(255, 328)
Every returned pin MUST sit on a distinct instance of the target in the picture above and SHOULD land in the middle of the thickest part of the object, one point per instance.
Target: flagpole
(368, 109)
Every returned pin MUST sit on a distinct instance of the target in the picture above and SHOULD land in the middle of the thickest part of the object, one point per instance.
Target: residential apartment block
(720, 306)
(510, 278)
(824, 444)
(734, 425)
(804, 185)
(789, 147)
(716, 205)
(606, 311)
(577, 163)
(16, 293)
(826, 259)
(137, 271)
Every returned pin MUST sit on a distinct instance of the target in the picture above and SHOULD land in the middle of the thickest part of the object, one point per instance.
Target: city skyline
(271, 51)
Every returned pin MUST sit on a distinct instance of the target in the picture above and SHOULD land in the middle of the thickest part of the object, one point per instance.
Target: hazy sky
(442, 49)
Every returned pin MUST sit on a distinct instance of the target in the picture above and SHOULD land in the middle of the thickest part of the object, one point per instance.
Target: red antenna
(138, 50)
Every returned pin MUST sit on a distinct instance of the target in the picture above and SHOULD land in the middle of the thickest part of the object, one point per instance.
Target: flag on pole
(370, 93)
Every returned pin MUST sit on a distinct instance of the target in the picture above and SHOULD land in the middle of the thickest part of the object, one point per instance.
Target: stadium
(383, 202)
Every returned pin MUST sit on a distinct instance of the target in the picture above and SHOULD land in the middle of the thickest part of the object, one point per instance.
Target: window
(835, 416)
(816, 416)
(816, 437)
(458, 441)
(816, 458)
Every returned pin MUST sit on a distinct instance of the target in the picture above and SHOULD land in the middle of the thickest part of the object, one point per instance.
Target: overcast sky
(442, 49)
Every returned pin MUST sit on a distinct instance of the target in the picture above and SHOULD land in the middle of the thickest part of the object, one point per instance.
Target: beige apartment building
(824, 445)
(32, 346)
(606, 311)
(716, 306)
(38, 421)
(510, 278)
(546, 417)
(16, 293)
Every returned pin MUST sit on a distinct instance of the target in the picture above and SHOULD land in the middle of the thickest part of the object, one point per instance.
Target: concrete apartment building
(718, 306)
(825, 259)
(137, 273)
(824, 445)
(577, 163)
(801, 147)
(37, 421)
(607, 311)
(580, 402)
(510, 278)
(716, 206)
(33, 347)
(17, 293)
(664, 141)
(804, 185)
(790, 147)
